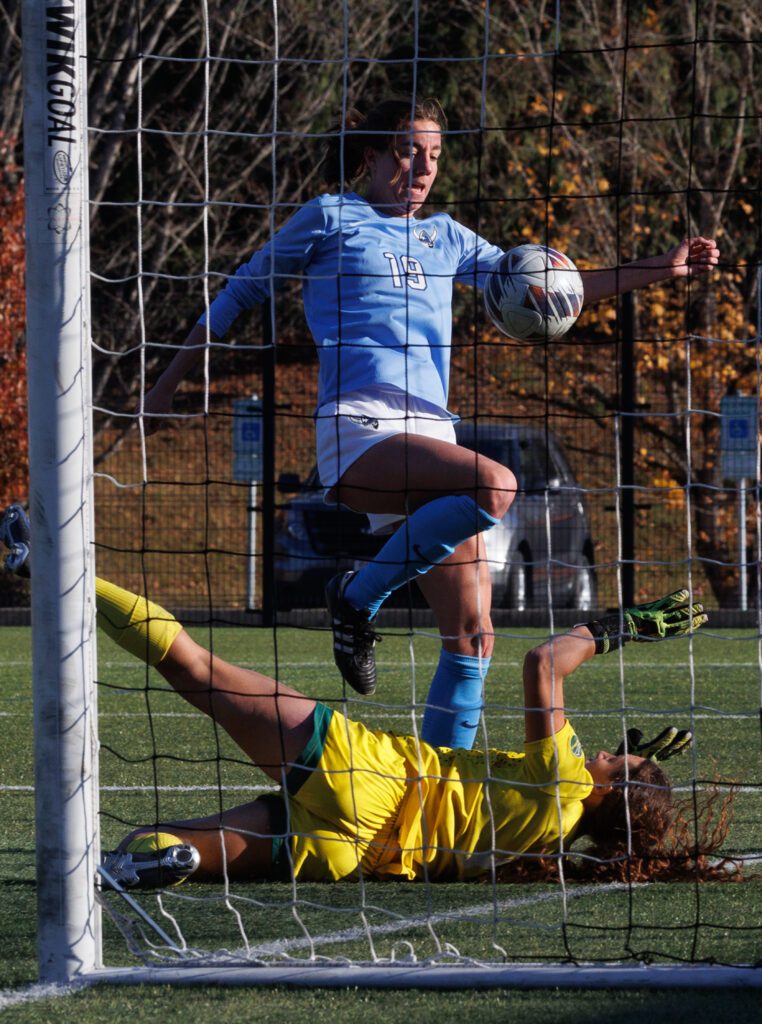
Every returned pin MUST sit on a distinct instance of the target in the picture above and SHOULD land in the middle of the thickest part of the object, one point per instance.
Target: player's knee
(474, 638)
(497, 489)
(538, 663)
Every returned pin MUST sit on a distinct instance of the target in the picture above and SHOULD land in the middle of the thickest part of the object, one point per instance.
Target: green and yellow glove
(669, 616)
(668, 743)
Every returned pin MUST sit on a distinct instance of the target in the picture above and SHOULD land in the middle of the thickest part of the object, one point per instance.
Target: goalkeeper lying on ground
(359, 802)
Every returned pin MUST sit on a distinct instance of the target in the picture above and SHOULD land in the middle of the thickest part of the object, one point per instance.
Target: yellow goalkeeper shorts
(344, 795)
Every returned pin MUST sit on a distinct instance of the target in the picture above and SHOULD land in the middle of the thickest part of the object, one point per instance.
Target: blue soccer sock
(454, 703)
(425, 539)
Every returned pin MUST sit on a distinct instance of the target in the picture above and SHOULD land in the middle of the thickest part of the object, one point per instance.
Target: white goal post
(64, 648)
(58, 335)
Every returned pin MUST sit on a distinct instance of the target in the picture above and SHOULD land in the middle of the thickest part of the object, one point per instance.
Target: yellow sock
(139, 626)
(147, 842)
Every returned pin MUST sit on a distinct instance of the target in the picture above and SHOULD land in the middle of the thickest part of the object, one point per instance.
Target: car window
(560, 468)
(534, 463)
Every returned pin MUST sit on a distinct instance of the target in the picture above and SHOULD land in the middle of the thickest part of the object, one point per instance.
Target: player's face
(605, 767)
(401, 177)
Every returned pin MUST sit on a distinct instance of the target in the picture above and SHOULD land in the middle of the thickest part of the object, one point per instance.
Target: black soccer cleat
(15, 533)
(152, 869)
(353, 637)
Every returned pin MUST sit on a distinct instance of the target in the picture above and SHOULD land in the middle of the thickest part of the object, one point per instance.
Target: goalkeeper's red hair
(638, 833)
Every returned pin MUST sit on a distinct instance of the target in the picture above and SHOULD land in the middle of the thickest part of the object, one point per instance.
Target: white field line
(421, 663)
(483, 910)
(432, 663)
(275, 789)
(163, 789)
(486, 911)
(493, 713)
(32, 994)
(282, 947)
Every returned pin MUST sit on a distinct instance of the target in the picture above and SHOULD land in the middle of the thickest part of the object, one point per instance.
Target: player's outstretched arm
(690, 258)
(546, 667)
(157, 402)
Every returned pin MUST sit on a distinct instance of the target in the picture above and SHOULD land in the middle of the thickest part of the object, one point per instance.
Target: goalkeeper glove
(668, 743)
(667, 617)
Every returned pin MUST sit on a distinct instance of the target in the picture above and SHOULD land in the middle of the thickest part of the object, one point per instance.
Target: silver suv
(540, 551)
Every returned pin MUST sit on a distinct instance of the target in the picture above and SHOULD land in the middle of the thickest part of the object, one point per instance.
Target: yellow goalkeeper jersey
(473, 809)
(385, 806)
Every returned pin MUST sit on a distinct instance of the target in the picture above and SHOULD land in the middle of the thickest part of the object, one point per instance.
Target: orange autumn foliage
(14, 464)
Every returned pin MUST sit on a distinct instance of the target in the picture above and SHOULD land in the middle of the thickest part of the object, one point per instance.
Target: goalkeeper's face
(402, 175)
(606, 767)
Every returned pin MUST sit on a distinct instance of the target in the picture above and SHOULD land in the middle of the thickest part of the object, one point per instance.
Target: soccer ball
(535, 294)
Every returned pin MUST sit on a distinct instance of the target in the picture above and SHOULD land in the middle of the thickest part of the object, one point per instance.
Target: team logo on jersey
(426, 235)
(364, 421)
(576, 746)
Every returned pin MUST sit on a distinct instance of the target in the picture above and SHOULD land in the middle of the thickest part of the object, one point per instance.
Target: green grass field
(160, 760)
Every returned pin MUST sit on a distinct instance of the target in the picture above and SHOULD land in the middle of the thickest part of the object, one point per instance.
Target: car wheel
(585, 591)
(517, 592)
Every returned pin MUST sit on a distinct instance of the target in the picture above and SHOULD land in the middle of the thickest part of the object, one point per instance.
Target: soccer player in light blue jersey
(377, 283)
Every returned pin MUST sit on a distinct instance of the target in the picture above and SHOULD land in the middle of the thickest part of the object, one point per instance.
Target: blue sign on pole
(739, 437)
(247, 440)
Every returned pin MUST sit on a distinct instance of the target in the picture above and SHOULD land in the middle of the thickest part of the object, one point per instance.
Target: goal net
(605, 133)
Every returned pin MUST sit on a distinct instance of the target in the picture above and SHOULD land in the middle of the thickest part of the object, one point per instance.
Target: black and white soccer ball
(535, 295)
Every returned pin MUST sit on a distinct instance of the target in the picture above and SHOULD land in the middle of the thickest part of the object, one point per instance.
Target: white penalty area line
(486, 911)
(483, 910)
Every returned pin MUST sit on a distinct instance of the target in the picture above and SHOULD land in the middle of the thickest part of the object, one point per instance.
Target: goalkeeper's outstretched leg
(268, 720)
(272, 723)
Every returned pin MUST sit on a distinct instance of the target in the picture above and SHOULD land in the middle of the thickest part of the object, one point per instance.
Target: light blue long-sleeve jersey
(377, 292)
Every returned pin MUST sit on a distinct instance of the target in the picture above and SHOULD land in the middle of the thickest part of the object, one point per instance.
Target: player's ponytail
(344, 161)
